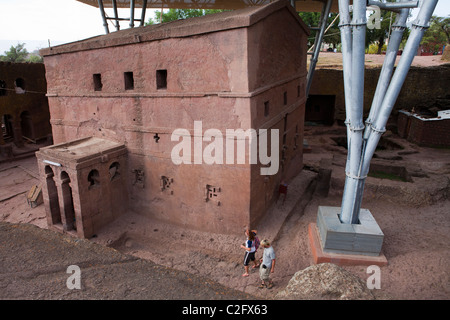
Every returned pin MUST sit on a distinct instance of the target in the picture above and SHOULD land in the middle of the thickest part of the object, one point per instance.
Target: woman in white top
(250, 249)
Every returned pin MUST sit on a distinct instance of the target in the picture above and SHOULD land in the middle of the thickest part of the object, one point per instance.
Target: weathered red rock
(243, 69)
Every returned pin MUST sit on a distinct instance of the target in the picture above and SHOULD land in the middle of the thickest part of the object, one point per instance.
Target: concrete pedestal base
(364, 238)
(340, 259)
(333, 240)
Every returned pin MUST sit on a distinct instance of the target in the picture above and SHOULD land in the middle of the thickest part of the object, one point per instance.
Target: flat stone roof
(177, 29)
(81, 149)
(442, 115)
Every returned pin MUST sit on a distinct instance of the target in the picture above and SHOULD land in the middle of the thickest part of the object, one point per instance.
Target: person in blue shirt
(249, 246)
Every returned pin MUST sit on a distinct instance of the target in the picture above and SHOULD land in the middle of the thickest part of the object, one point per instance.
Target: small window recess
(114, 171)
(97, 78)
(93, 179)
(19, 85)
(161, 79)
(285, 98)
(266, 109)
(129, 80)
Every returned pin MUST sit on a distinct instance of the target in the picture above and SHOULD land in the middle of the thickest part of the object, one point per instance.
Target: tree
(379, 35)
(15, 54)
(437, 35)
(312, 19)
(177, 14)
(34, 58)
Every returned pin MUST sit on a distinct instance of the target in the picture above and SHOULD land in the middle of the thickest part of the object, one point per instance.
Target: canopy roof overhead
(300, 5)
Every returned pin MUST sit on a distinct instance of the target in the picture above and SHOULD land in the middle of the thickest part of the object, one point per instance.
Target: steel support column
(102, 12)
(346, 40)
(116, 15)
(132, 5)
(318, 44)
(144, 9)
(353, 186)
(361, 148)
(378, 125)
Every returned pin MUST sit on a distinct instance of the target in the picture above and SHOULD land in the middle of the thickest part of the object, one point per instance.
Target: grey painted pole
(356, 172)
(116, 15)
(379, 122)
(353, 186)
(318, 44)
(388, 65)
(102, 12)
(131, 13)
(144, 8)
(346, 40)
(393, 6)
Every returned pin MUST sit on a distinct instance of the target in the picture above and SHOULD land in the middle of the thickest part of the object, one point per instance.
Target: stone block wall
(23, 103)
(424, 132)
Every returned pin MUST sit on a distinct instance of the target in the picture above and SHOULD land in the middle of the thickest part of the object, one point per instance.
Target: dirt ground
(331, 59)
(414, 217)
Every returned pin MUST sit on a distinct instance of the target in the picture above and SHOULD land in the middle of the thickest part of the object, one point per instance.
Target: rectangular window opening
(129, 81)
(285, 98)
(97, 77)
(161, 79)
(266, 108)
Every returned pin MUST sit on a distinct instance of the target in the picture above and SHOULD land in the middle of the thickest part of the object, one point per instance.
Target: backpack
(256, 243)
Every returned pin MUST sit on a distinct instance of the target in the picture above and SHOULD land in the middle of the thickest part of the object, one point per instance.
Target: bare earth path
(331, 59)
(414, 217)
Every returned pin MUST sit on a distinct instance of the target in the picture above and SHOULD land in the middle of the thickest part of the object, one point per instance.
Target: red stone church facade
(243, 69)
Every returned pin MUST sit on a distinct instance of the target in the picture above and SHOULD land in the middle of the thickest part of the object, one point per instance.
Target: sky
(36, 22)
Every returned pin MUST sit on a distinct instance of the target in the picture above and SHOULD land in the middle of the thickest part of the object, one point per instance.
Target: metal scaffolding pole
(346, 40)
(102, 12)
(352, 188)
(116, 15)
(132, 5)
(318, 44)
(360, 151)
(378, 126)
(144, 8)
(388, 66)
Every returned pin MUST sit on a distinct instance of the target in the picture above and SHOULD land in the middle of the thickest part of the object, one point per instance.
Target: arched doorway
(52, 196)
(93, 179)
(68, 217)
